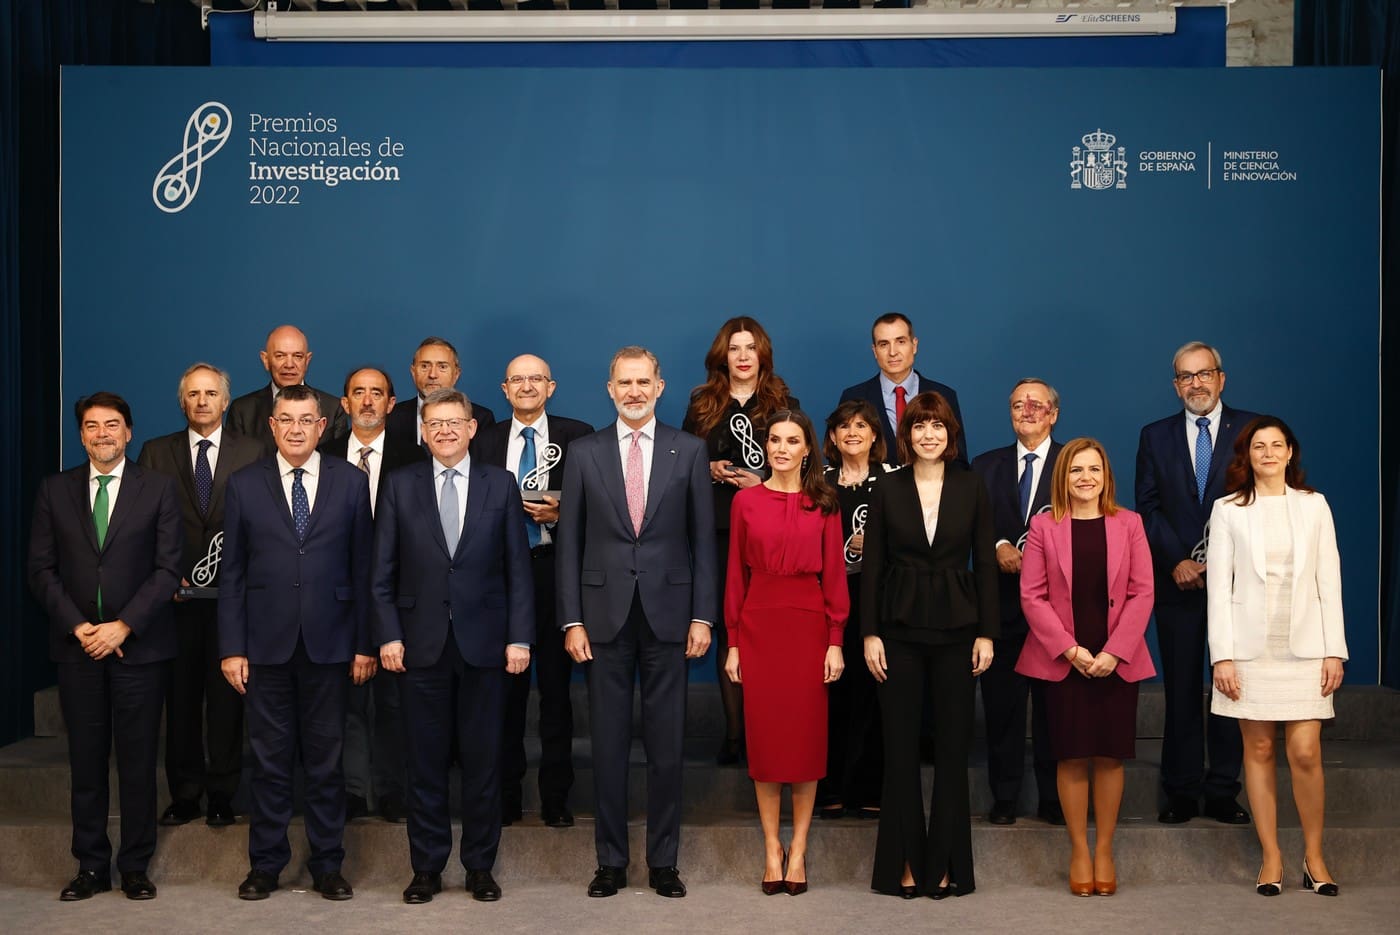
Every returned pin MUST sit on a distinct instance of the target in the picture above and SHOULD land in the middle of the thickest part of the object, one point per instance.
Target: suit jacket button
(301, 551)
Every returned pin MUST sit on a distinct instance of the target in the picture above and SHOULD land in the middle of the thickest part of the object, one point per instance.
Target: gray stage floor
(714, 908)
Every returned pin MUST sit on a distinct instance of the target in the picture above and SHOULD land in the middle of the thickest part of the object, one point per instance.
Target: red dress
(785, 602)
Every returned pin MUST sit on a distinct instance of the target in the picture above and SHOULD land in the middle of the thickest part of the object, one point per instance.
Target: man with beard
(1181, 463)
(636, 580)
(374, 764)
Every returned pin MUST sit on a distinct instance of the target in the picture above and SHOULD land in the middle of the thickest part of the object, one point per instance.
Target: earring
(804, 464)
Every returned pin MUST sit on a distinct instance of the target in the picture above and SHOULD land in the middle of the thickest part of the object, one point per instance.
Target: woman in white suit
(1277, 642)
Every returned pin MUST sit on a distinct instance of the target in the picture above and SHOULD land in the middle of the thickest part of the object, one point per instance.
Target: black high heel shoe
(774, 887)
(793, 887)
(1268, 889)
(1320, 888)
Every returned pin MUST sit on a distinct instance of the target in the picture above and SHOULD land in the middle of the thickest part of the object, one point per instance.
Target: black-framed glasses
(1185, 378)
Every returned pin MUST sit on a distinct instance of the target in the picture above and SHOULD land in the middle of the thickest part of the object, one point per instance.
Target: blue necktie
(301, 506)
(1202, 456)
(527, 464)
(1023, 486)
(448, 510)
(203, 476)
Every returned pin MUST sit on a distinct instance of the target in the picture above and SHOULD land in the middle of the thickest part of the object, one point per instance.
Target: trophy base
(197, 594)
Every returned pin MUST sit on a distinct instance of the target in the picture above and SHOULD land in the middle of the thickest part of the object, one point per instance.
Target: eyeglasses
(286, 422)
(1183, 378)
(437, 425)
(531, 378)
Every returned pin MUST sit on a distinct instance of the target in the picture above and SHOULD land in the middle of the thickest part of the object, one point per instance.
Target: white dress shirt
(646, 443)
(1192, 430)
(376, 462)
(515, 446)
(1041, 452)
(215, 438)
(113, 486)
(308, 480)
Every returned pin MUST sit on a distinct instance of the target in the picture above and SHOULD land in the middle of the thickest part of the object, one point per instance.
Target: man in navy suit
(1181, 462)
(454, 613)
(636, 581)
(104, 561)
(201, 457)
(286, 357)
(534, 446)
(294, 633)
(1018, 483)
(374, 755)
(894, 345)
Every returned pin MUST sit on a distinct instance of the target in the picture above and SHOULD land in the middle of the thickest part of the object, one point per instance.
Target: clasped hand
(1089, 665)
(102, 640)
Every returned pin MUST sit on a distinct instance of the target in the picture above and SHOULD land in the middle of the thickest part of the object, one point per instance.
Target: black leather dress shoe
(667, 882)
(1179, 810)
(1226, 811)
(391, 809)
(422, 888)
(258, 884)
(356, 807)
(220, 814)
(1050, 811)
(1003, 813)
(332, 886)
(137, 885)
(607, 881)
(84, 885)
(483, 886)
(510, 813)
(180, 812)
(557, 815)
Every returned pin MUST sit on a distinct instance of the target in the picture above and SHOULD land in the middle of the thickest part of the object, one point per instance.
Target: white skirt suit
(1274, 597)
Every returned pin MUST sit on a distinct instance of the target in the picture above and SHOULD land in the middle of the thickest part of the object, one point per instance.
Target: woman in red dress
(785, 605)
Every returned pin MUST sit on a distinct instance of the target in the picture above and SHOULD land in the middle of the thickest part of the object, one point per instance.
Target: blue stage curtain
(37, 38)
(1367, 32)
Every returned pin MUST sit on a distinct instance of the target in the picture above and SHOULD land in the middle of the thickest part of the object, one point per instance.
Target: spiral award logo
(178, 180)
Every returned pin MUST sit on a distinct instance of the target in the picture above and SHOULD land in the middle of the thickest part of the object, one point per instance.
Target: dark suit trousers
(105, 701)
(445, 700)
(202, 711)
(611, 676)
(553, 669)
(855, 754)
(297, 705)
(374, 754)
(1186, 738)
(943, 676)
(1004, 695)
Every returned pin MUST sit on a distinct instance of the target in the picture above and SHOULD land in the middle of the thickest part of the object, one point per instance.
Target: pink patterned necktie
(636, 491)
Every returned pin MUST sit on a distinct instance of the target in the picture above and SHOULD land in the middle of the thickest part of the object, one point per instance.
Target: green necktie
(100, 514)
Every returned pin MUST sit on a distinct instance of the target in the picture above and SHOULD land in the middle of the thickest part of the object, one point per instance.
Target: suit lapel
(326, 486)
(477, 494)
(1062, 534)
(426, 492)
(274, 486)
(185, 468)
(1224, 446)
(609, 460)
(663, 465)
(1114, 542)
(1297, 522)
(1254, 517)
(82, 507)
(131, 484)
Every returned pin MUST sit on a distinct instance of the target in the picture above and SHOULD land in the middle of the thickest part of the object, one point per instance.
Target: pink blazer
(1046, 597)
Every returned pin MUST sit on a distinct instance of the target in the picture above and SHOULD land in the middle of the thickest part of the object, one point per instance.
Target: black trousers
(373, 758)
(106, 701)
(611, 676)
(442, 702)
(1004, 696)
(1188, 737)
(203, 714)
(855, 755)
(942, 675)
(553, 670)
(297, 706)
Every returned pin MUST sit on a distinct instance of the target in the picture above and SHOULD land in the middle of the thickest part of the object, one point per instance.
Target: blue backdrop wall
(566, 212)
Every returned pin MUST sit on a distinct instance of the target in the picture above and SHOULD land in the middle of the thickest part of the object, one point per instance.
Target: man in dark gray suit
(202, 709)
(636, 583)
(285, 357)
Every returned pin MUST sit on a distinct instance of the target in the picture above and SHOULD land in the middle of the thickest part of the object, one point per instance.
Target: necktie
(365, 452)
(1202, 456)
(301, 506)
(203, 476)
(898, 405)
(527, 464)
(1023, 486)
(100, 516)
(636, 489)
(448, 510)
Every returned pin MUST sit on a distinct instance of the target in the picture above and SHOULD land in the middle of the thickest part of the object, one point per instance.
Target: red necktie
(636, 489)
(898, 404)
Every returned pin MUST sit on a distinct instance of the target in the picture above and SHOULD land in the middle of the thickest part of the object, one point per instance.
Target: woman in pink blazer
(1086, 590)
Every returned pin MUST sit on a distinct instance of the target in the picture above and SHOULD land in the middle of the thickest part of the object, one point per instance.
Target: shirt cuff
(519, 645)
(570, 626)
(705, 622)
